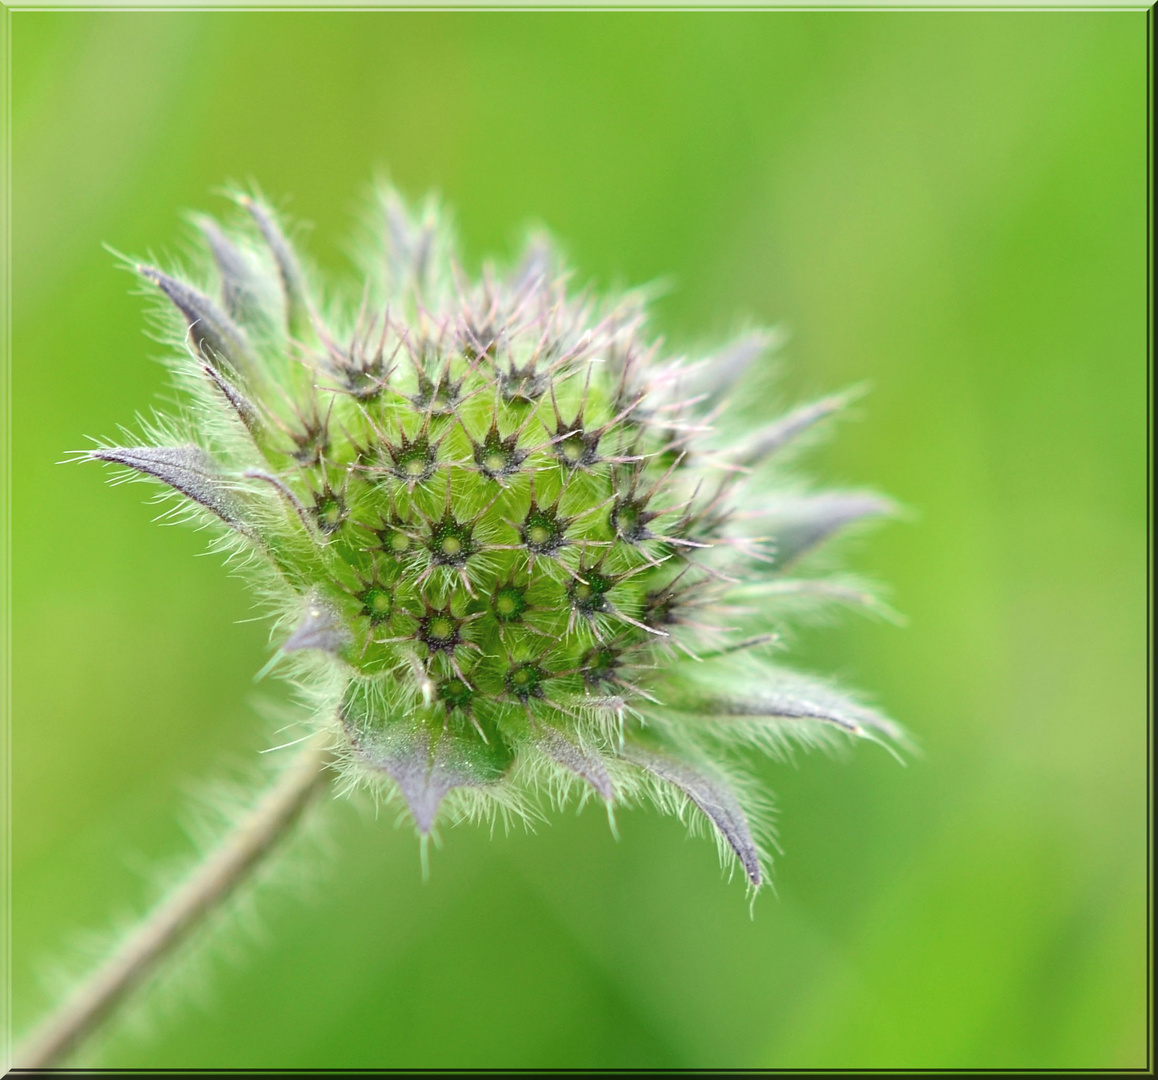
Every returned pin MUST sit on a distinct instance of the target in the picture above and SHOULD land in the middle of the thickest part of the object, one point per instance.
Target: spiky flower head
(512, 549)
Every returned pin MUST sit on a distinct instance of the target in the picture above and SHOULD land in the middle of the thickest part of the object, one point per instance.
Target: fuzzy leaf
(414, 245)
(842, 591)
(799, 525)
(321, 627)
(840, 712)
(187, 469)
(770, 707)
(215, 335)
(289, 270)
(239, 289)
(780, 432)
(582, 763)
(427, 767)
(536, 267)
(732, 361)
(246, 411)
(712, 795)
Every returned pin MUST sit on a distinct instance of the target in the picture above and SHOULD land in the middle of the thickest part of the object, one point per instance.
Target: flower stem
(210, 882)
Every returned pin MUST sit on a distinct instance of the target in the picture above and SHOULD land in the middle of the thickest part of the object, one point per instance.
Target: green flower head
(513, 551)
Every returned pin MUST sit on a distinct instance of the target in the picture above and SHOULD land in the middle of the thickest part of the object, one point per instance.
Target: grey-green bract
(514, 552)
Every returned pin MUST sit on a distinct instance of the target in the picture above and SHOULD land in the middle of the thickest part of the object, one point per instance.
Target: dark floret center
(329, 511)
(576, 448)
(440, 398)
(498, 457)
(525, 680)
(394, 541)
(377, 603)
(508, 603)
(311, 444)
(414, 461)
(455, 694)
(599, 666)
(542, 531)
(522, 386)
(659, 608)
(589, 595)
(440, 631)
(629, 519)
(365, 379)
(451, 543)
(480, 342)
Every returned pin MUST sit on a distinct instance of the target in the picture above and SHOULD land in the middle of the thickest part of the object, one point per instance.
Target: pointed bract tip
(189, 470)
(713, 795)
(583, 763)
(212, 332)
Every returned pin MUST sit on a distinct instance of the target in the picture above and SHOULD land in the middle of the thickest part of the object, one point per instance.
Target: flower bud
(507, 543)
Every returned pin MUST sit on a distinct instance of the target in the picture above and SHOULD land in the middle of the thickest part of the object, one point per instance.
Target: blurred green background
(950, 205)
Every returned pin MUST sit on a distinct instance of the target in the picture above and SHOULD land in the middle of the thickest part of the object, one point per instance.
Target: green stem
(210, 882)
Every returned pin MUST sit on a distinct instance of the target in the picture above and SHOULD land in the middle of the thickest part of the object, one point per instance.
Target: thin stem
(210, 882)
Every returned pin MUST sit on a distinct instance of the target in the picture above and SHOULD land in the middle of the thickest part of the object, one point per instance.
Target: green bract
(512, 548)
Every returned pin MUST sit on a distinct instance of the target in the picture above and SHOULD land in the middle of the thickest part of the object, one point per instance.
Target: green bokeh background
(950, 205)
